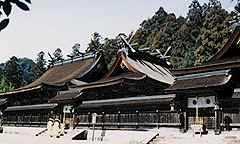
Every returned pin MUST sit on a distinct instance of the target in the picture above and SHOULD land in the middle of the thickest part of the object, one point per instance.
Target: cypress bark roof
(127, 68)
(63, 73)
(201, 80)
(124, 68)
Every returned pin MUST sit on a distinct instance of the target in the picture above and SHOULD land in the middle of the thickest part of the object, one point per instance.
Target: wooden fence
(143, 119)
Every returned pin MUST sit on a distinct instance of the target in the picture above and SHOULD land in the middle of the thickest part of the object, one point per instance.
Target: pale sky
(52, 24)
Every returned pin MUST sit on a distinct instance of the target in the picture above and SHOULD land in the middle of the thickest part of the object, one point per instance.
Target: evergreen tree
(95, 43)
(76, 50)
(195, 14)
(13, 72)
(57, 55)
(193, 39)
(4, 86)
(214, 32)
(109, 50)
(40, 66)
(183, 44)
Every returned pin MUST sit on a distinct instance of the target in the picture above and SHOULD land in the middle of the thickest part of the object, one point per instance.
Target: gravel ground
(173, 136)
(24, 135)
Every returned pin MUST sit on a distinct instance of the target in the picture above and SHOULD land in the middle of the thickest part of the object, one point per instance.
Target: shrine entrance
(204, 111)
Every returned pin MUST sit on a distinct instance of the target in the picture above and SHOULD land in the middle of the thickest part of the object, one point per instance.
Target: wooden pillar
(158, 118)
(186, 121)
(119, 118)
(217, 120)
(30, 119)
(16, 120)
(103, 119)
(89, 119)
(221, 119)
(23, 118)
(137, 119)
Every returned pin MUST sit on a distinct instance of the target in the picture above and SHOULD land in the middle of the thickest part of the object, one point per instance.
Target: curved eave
(153, 71)
(199, 83)
(149, 69)
(97, 66)
(232, 39)
(21, 90)
(130, 101)
(206, 68)
(59, 75)
(112, 81)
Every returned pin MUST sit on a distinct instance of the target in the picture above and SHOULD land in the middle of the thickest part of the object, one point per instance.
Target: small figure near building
(50, 127)
(1, 122)
(182, 121)
(56, 128)
(227, 122)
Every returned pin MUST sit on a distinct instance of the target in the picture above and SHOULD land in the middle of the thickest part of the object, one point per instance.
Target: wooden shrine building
(130, 94)
(211, 92)
(138, 90)
(29, 104)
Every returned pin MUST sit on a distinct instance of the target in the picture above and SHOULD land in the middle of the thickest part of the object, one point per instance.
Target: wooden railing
(131, 124)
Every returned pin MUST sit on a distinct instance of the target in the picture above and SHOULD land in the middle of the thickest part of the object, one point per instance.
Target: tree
(57, 55)
(95, 43)
(214, 32)
(193, 39)
(110, 48)
(13, 72)
(76, 50)
(237, 6)
(4, 86)
(195, 14)
(107, 47)
(40, 66)
(6, 7)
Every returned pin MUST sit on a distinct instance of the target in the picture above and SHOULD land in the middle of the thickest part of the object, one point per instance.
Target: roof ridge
(66, 61)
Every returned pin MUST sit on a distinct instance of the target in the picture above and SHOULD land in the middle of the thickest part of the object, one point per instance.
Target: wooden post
(217, 124)
(30, 119)
(89, 119)
(196, 121)
(94, 121)
(103, 120)
(16, 120)
(137, 115)
(186, 125)
(158, 118)
(119, 118)
(222, 119)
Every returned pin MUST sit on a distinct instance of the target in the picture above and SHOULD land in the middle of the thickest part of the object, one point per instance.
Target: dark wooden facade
(29, 105)
(131, 94)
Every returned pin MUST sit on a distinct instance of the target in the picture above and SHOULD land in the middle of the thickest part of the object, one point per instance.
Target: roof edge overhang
(206, 68)
(164, 98)
(106, 82)
(233, 37)
(226, 79)
(99, 59)
(31, 107)
(21, 90)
